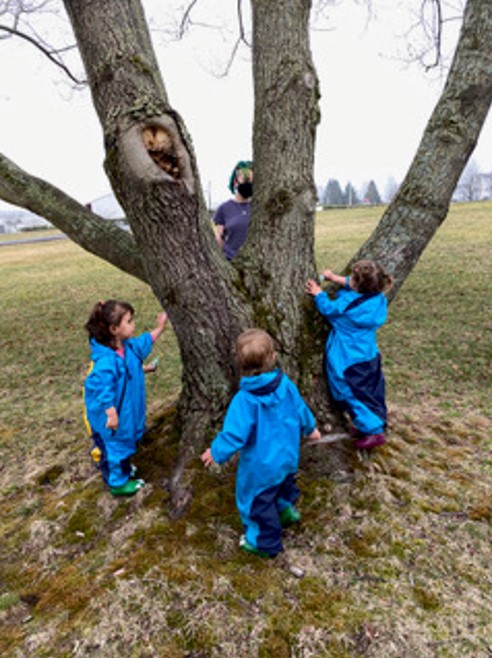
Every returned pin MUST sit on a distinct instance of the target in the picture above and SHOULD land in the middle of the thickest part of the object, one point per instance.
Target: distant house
(106, 206)
(15, 220)
(473, 187)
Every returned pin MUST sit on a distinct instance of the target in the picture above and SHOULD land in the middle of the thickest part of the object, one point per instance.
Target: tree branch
(45, 51)
(451, 134)
(185, 21)
(242, 34)
(94, 234)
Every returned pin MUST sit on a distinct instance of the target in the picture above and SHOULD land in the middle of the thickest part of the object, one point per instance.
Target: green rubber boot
(248, 548)
(130, 488)
(288, 516)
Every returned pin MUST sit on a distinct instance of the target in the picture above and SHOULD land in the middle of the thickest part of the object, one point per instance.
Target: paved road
(45, 238)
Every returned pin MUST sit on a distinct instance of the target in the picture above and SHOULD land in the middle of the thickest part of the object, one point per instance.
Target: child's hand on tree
(207, 458)
(313, 288)
(315, 435)
(161, 319)
(160, 324)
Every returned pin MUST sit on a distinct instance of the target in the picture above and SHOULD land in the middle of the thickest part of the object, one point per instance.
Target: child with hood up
(264, 422)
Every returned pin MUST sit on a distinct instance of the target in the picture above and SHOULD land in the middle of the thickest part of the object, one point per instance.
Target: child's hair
(370, 276)
(105, 315)
(255, 352)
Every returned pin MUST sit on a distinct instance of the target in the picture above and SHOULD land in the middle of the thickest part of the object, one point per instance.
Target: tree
(422, 201)
(371, 194)
(350, 197)
(468, 187)
(391, 189)
(333, 195)
(152, 168)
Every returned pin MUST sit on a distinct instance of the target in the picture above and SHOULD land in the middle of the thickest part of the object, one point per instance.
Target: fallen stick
(329, 438)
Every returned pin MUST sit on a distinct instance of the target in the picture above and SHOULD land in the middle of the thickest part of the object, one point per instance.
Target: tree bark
(151, 165)
(279, 254)
(422, 202)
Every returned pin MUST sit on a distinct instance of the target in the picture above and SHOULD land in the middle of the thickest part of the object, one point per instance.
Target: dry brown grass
(393, 558)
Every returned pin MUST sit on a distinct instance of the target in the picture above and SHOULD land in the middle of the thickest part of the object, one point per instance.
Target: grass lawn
(392, 560)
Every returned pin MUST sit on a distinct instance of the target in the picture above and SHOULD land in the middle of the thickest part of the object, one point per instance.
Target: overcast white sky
(374, 108)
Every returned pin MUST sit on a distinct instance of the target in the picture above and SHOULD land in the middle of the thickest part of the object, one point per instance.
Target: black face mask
(245, 190)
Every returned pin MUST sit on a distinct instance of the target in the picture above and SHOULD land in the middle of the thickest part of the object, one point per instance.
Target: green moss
(80, 527)
(318, 602)
(279, 204)
(51, 475)
(142, 65)
(274, 646)
(481, 511)
(67, 590)
(8, 600)
(426, 598)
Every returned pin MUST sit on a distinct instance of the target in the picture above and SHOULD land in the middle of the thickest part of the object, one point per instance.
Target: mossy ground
(392, 558)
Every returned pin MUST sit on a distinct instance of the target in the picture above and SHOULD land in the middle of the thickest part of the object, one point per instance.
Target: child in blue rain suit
(353, 361)
(114, 390)
(264, 422)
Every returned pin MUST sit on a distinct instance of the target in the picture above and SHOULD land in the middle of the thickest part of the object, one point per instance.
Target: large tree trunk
(422, 202)
(152, 169)
(279, 255)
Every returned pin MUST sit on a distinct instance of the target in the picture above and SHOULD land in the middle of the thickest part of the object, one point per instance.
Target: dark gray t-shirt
(234, 217)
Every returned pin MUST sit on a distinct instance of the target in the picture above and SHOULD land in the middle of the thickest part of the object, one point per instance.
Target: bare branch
(231, 59)
(437, 36)
(186, 20)
(45, 51)
(242, 35)
(190, 18)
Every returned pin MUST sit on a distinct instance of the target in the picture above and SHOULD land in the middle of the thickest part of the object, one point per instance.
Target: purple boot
(370, 441)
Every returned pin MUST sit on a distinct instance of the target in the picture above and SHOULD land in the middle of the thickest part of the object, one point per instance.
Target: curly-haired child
(353, 361)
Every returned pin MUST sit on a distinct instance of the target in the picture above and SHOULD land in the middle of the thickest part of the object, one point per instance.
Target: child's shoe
(370, 441)
(288, 516)
(248, 548)
(130, 488)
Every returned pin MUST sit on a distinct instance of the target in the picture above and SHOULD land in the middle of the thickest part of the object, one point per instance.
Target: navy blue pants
(262, 528)
(115, 472)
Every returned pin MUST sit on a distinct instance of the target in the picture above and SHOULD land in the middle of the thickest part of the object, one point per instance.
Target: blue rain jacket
(265, 422)
(118, 382)
(353, 363)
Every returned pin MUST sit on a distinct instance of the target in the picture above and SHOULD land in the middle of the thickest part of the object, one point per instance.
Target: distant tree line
(333, 195)
(473, 185)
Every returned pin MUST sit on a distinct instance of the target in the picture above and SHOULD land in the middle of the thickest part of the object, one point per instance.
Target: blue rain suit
(265, 422)
(353, 361)
(117, 382)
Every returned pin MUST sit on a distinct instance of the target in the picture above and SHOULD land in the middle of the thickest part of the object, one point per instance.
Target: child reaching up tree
(114, 391)
(353, 361)
(264, 422)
